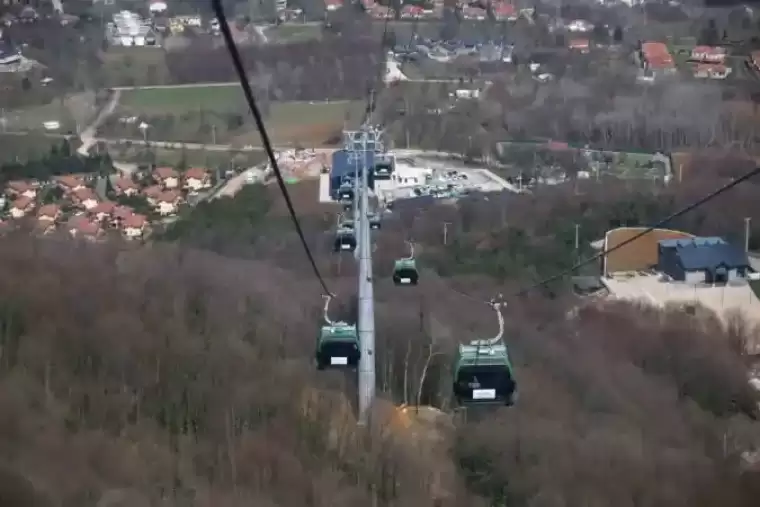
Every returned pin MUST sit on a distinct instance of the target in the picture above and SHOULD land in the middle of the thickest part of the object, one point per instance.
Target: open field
(134, 66)
(201, 158)
(294, 32)
(183, 100)
(32, 118)
(218, 114)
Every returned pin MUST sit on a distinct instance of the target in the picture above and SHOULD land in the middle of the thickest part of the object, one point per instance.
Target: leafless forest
(337, 69)
(603, 108)
(175, 376)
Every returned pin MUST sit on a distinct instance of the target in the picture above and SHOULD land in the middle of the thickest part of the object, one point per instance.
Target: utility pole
(577, 241)
(747, 221)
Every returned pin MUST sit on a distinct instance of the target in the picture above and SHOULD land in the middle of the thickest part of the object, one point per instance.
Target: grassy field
(181, 100)
(294, 33)
(134, 66)
(32, 118)
(305, 123)
(201, 158)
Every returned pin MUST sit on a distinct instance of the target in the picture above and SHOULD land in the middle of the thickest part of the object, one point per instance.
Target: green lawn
(202, 158)
(209, 109)
(134, 66)
(294, 33)
(32, 118)
(181, 100)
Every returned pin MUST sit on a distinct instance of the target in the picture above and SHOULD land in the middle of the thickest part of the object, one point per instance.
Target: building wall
(638, 255)
(694, 277)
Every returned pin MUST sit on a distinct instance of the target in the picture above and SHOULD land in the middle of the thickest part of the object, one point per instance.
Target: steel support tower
(360, 144)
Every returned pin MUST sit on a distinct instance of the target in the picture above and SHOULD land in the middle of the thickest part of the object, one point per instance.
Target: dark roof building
(8, 54)
(345, 164)
(701, 260)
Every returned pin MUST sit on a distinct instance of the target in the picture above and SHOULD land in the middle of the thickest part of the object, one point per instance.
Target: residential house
(656, 58)
(168, 202)
(581, 45)
(167, 177)
(475, 13)
(22, 206)
(152, 194)
(84, 198)
(197, 179)
(22, 188)
(503, 11)
(708, 54)
(711, 71)
(333, 5)
(120, 214)
(49, 213)
(125, 186)
(134, 226)
(103, 211)
(81, 226)
(754, 59)
(579, 25)
(411, 12)
(70, 183)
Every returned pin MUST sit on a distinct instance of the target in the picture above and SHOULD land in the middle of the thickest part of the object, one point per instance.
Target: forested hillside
(181, 374)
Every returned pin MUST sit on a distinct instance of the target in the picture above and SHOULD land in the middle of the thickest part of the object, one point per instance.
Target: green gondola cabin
(346, 193)
(483, 375)
(338, 346)
(405, 272)
(374, 221)
(345, 241)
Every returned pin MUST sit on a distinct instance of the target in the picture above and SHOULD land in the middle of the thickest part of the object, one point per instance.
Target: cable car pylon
(362, 145)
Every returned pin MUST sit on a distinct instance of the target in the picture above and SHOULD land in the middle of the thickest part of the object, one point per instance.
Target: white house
(168, 202)
(197, 179)
(134, 226)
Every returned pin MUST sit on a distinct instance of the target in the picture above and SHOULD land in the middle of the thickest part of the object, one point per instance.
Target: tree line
(171, 375)
(335, 68)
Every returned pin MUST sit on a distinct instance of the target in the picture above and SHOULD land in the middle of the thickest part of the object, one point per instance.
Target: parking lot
(431, 175)
(441, 178)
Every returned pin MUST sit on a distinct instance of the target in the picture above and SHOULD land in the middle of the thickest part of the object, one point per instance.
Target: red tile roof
(135, 221)
(23, 202)
(165, 172)
(657, 55)
(196, 172)
(106, 207)
(49, 210)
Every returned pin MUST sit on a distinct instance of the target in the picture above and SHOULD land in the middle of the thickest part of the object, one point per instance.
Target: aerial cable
(646, 231)
(607, 251)
(240, 71)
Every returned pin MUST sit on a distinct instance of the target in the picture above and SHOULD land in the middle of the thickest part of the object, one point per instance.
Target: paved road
(87, 136)
(176, 145)
(237, 83)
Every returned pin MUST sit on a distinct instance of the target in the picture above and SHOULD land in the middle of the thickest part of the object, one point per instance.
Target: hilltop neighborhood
(79, 205)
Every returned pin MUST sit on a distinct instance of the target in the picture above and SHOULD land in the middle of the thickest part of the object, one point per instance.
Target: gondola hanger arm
(411, 250)
(327, 298)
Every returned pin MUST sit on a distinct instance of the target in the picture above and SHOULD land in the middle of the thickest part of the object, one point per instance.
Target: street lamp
(144, 129)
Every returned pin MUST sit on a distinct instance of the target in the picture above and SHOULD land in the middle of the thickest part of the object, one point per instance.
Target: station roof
(344, 163)
(706, 253)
